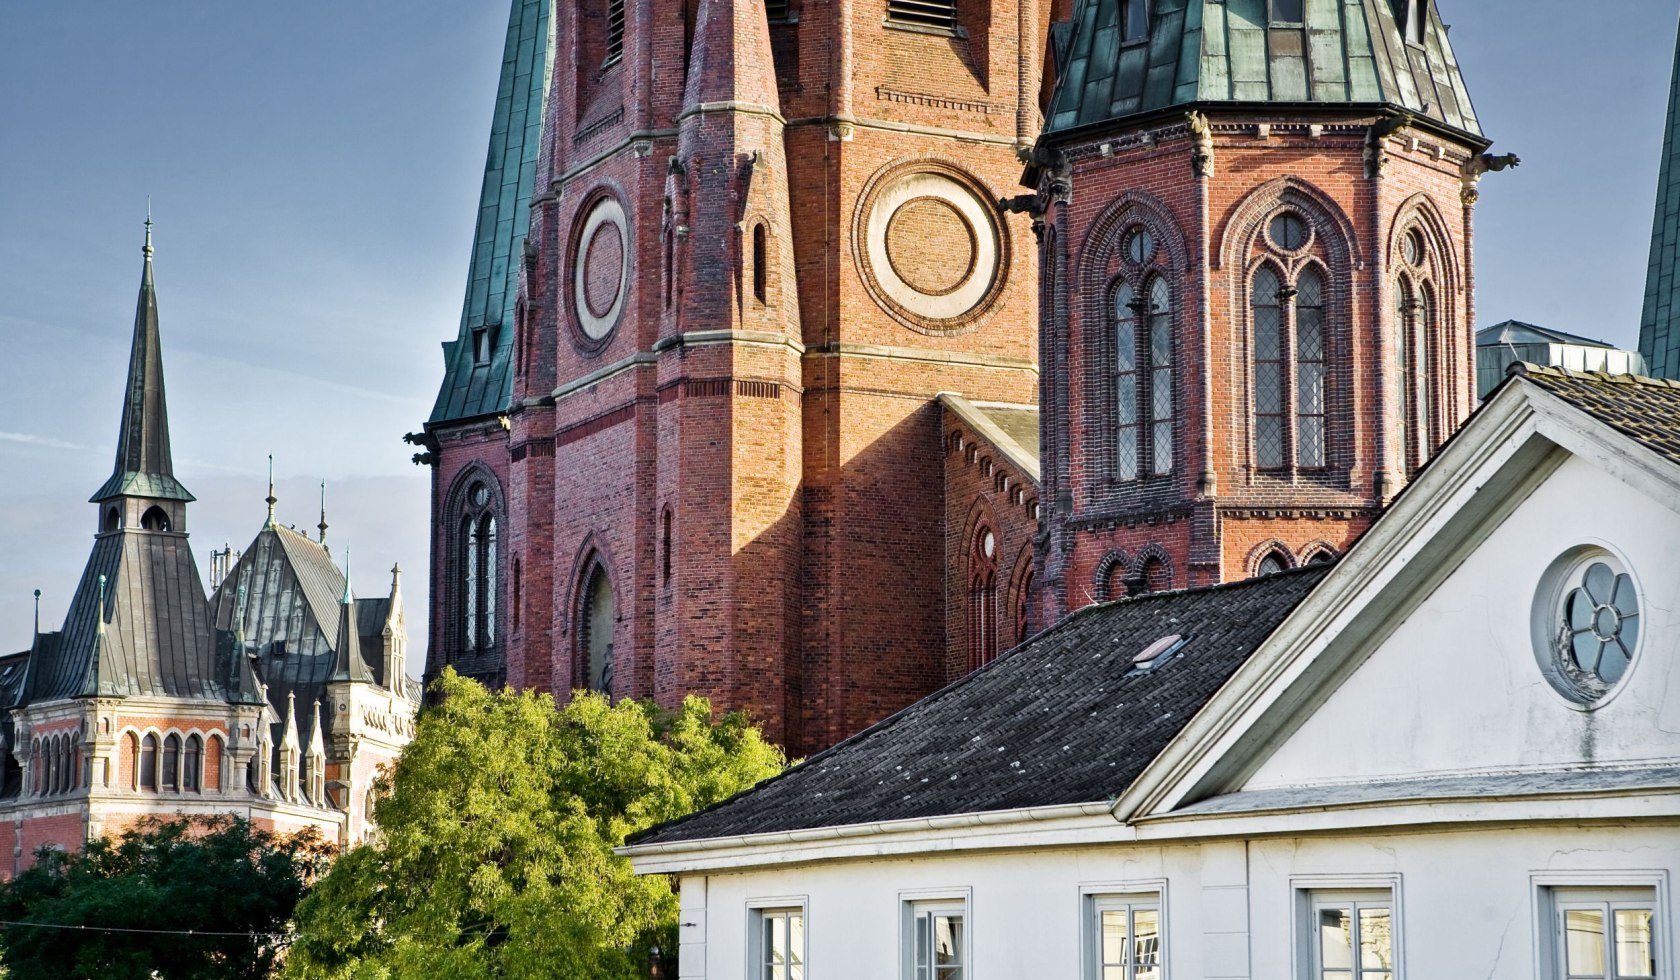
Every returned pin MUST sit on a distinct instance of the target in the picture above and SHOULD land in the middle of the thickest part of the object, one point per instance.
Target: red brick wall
(1216, 510)
(806, 489)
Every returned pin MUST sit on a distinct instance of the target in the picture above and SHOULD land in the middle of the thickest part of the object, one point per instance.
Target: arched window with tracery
(1275, 561)
(1309, 369)
(597, 621)
(148, 763)
(478, 568)
(1290, 369)
(1268, 369)
(1143, 362)
(982, 597)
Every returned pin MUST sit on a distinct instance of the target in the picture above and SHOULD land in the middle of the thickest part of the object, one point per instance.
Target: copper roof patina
(475, 385)
(1354, 53)
(1659, 325)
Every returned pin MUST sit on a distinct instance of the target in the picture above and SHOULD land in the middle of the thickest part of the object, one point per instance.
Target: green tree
(494, 857)
(183, 899)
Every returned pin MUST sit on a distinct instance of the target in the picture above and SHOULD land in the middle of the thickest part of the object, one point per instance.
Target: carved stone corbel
(1201, 144)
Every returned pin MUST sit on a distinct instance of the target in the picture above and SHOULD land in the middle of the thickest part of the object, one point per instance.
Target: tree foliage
(494, 857)
(138, 892)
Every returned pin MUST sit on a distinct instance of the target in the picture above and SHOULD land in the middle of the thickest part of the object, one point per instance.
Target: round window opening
(988, 544)
(1289, 231)
(480, 495)
(1587, 625)
(1140, 246)
(1412, 247)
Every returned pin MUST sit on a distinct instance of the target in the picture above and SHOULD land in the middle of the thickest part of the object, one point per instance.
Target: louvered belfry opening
(615, 31)
(923, 13)
(777, 11)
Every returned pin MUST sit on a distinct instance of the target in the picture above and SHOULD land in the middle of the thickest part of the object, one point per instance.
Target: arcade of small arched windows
(1118, 576)
(1272, 557)
(55, 764)
(1006, 487)
(170, 762)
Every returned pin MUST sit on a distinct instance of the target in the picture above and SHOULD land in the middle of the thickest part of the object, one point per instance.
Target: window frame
(1142, 37)
(1142, 322)
(760, 908)
(1098, 897)
(1289, 270)
(1551, 891)
(1312, 893)
(947, 901)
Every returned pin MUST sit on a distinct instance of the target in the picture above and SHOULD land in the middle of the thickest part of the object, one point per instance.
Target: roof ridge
(1546, 371)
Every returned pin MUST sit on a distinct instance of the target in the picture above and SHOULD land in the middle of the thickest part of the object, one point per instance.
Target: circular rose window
(929, 248)
(601, 270)
(1587, 624)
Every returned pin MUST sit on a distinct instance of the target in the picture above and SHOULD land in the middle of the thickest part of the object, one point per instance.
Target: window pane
(1146, 947)
(1269, 442)
(1267, 344)
(1114, 937)
(947, 940)
(1335, 939)
(1634, 955)
(1376, 940)
(1583, 940)
(923, 943)
(1268, 389)
(1126, 464)
(1311, 450)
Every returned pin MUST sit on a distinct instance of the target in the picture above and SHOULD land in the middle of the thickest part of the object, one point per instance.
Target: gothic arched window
(1309, 369)
(478, 569)
(1291, 375)
(1273, 563)
(597, 619)
(1143, 355)
(982, 597)
(171, 763)
(760, 275)
(191, 763)
(148, 763)
(1268, 370)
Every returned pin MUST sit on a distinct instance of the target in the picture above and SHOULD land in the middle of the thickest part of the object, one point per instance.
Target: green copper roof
(1342, 52)
(144, 467)
(474, 386)
(1659, 328)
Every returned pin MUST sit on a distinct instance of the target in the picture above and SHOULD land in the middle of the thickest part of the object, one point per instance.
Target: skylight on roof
(1159, 652)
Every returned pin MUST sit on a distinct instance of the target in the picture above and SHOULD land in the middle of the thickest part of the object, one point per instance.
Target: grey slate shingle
(1062, 719)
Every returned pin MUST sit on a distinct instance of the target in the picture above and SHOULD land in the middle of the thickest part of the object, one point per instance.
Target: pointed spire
(144, 467)
(323, 527)
(37, 612)
(270, 498)
(348, 664)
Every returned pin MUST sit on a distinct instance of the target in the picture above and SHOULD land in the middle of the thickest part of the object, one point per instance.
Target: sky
(313, 169)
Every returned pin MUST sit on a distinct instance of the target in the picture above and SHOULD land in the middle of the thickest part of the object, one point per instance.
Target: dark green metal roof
(1659, 327)
(1345, 52)
(144, 466)
(471, 389)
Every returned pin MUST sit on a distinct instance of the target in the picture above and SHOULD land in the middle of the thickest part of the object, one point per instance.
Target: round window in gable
(1289, 231)
(1140, 245)
(1587, 624)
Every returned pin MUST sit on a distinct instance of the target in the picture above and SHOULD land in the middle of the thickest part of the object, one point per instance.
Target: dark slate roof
(144, 467)
(153, 636)
(1063, 719)
(1347, 53)
(1518, 332)
(470, 390)
(1647, 409)
(1659, 324)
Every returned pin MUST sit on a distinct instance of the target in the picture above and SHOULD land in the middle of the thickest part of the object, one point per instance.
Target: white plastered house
(1455, 753)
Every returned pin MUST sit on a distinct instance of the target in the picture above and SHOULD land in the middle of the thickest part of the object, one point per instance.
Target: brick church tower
(1257, 303)
(762, 245)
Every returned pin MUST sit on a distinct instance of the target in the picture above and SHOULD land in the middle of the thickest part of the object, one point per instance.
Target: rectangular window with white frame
(1602, 933)
(935, 939)
(1349, 934)
(776, 943)
(1123, 936)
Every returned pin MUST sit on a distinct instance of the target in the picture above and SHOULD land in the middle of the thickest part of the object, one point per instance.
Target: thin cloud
(47, 442)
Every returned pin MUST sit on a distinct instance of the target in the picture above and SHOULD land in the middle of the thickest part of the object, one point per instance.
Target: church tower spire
(144, 467)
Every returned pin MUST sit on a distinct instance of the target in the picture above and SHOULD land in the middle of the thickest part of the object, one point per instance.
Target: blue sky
(314, 170)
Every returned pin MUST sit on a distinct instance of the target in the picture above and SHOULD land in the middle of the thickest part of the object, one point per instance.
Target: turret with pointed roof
(138, 623)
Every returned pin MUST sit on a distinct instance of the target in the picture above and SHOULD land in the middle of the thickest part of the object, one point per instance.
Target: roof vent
(1159, 652)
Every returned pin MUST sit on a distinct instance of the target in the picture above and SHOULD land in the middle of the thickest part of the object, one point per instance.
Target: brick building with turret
(746, 395)
(278, 697)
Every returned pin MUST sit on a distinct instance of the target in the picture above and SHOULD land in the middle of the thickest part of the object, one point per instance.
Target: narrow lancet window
(598, 617)
(1160, 375)
(1309, 370)
(1268, 371)
(1126, 383)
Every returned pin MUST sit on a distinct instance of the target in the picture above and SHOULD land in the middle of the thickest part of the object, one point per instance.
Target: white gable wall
(1469, 903)
(1456, 689)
